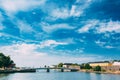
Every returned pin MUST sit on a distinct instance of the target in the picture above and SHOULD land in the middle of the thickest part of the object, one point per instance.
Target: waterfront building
(74, 67)
(106, 65)
(71, 66)
(67, 65)
(116, 63)
(111, 68)
(102, 63)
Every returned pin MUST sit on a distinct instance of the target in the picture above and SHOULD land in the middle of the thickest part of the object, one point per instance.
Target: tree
(82, 66)
(1, 60)
(97, 68)
(5, 61)
(87, 66)
(60, 65)
(75, 64)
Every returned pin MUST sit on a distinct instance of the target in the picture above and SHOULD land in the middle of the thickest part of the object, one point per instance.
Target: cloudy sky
(46, 32)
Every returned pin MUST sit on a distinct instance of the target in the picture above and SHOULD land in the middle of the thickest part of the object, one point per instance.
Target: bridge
(60, 69)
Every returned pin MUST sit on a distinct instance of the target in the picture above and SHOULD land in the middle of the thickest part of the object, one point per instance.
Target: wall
(100, 64)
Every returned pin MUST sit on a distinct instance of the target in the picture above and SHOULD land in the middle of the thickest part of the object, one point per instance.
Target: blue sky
(39, 32)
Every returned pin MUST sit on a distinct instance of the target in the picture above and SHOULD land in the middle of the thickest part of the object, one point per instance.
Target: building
(66, 65)
(116, 64)
(111, 68)
(105, 63)
(74, 67)
(71, 66)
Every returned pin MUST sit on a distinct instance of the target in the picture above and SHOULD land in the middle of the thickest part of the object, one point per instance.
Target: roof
(67, 64)
(100, 62)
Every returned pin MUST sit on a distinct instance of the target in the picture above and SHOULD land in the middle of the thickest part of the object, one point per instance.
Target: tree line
(5, 61)
(87, 66)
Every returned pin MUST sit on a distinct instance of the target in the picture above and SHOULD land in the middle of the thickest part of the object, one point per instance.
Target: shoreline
(100, 72)
(34, 70)
(18, 71)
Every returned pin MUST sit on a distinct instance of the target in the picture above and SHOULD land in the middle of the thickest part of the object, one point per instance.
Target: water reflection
(4, 76)
(58, 76)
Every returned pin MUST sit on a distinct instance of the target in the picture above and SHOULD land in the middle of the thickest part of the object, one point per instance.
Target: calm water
(58, 76)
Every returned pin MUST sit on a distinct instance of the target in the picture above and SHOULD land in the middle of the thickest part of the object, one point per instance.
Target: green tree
(1, 60)
(60, 65)
(82, 66)
(5, 61)
(97, 68)
(75, 64)
(87, 66)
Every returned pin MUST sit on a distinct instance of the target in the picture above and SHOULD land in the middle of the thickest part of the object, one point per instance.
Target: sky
(46, 32)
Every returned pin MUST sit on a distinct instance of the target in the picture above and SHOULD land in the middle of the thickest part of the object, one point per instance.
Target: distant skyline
(46, 32)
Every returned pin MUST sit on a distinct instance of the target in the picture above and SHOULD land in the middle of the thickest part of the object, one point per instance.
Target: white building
(116, 64)
(66, 65)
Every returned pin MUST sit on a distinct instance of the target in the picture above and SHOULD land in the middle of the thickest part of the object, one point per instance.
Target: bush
(97, 68)
(60, 65)
(87, 66)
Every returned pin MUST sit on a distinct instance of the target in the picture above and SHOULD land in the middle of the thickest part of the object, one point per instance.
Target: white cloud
(75, 12)
(24, 27)
(100, 43)
(1, 19)
(104, 44)
(64, 13)
(81, 40)
(77, 1)
(49, 43)
(19, 5)
(26, 55)
(8, 36)
(1, 34)
(20, 49)
(68, 40)
(85, 28)
(89, 25)
(100, 26)
(109, 47)
(1, 27)
(50, 28)
(22, 53)
(110, 26)
(60, 13)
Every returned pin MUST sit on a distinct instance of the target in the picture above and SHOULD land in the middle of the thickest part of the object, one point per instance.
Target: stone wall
(111, 68)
